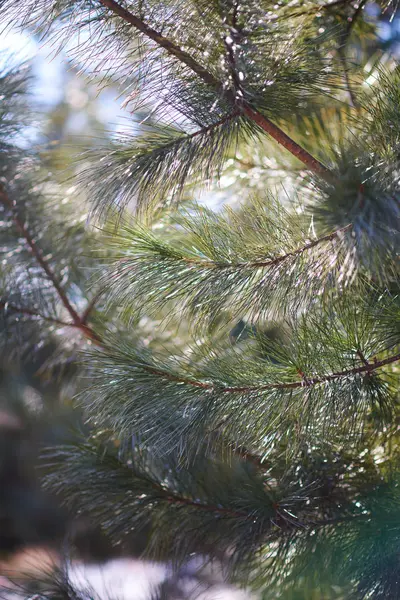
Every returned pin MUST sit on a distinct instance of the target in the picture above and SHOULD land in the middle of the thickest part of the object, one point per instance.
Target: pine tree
(237, 367)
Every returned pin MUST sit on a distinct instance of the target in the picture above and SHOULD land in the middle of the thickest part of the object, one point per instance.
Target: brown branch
(288, 143)
(31, 313)
(82, 327)
(37, 253)
(174, 499)
(91, 306)
(273, 262)
(309, 382)
(162, 41)
(236, 36)
(273, 130)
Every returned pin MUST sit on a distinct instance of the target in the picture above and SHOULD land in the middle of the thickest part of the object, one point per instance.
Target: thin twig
(343, 60)
(236, 37)
(91, 306)
(342, 49)
(363, 359)
(273, 130)
(175, 499)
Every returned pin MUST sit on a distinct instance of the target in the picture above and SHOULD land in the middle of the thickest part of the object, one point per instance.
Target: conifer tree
(237, 367)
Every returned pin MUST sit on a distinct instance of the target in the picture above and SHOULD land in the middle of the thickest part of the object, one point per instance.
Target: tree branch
(273, 130)
(304, 383)
(162, 41)
(288, 143)
(175, 499)
(31, 313)
(90, 306)
(37, 253)
(264, 263)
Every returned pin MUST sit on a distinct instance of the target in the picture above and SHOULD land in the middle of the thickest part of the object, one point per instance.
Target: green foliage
(252, 262)
(381, 106)
(13, 105)
(365, 193)
(168, 496)
(159, 164)
(239, 367)
(313, 383)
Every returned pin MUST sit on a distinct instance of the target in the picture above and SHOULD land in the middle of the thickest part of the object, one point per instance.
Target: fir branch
(263, 122)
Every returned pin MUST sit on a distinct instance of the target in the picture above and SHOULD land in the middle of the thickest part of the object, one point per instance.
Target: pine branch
(176, 499)
(148, 271)
(8, 306)
(260, 264)
(91, 306)
(162, 41)
(288, 143)
(38, 255)
(140, 486)
(306, 382)
(299, 382)
(159, 163)
(263, 122)
(4, 198)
